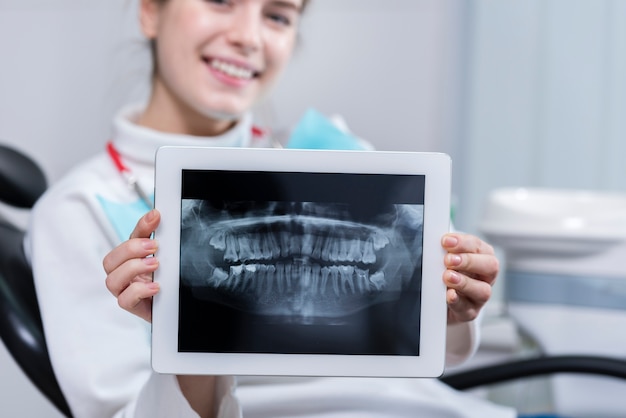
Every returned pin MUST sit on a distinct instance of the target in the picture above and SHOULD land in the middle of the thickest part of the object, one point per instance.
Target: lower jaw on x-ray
(300, 277)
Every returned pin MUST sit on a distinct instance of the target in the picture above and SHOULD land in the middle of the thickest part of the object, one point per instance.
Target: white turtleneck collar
(140, 144)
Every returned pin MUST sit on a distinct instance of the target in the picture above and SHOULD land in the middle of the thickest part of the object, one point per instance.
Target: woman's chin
(229, 115)
(225, 110)
(224, 106)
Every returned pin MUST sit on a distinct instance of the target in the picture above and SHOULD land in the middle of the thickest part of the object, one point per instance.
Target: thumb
(146, 224)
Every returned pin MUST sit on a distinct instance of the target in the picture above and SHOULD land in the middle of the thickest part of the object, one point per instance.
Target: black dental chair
(21, 330)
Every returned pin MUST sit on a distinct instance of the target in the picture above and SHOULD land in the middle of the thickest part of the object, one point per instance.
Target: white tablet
(300, 262)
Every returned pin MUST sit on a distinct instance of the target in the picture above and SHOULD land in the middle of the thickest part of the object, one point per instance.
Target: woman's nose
(245, 29)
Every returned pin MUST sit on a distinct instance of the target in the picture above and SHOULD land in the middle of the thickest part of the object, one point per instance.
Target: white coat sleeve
(462, 341)
(100, 353)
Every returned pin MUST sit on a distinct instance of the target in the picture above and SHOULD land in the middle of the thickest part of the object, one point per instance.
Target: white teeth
(346, 278)
(302, 278)
(256, 246)
(274, 248)
(248, 275)
(325, 253)
(218, 277)
(295, 245)
(218, 240)
(230, 253)
(306, 277)
(343, 250)
(378, 279)
(380, 241)
(355, 253)
(264, 285)
(280, 277)
(245, 251)
(317, 248)
(362, 277)
(369, 256)
(315, 277)
(288, 276)
(334, 250)
(269, 278)
(267, 247)
(246, 247)
(307, 244)
(325, 273)
(284, 243)
(235, 277)
(232, 70)
(334, 275)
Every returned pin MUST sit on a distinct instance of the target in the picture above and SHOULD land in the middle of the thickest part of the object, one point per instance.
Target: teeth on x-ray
(282, 278)
(267, 246)
(306, 260)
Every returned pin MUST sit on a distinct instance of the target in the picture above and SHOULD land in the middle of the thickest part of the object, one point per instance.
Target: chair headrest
(22, 181)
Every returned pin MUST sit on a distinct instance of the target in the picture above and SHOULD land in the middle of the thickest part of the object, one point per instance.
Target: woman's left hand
(471, 270)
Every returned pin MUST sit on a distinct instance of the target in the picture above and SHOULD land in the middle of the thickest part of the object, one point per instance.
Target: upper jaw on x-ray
(305, 262)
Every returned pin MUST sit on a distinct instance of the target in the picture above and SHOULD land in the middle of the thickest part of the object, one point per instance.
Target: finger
(459, 308)
(475, 291)
(465, 243)
(146, 224)
(133, 270)
(481, 266)
(137, 299)
(139, 245)
(128, 250)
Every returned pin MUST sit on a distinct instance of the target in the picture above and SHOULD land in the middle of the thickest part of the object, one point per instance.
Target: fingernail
(149, 244)
(454, 278)
(454, 259)
(453, 298)
(150, 261)
(450, 241)
(153, 285)
(150, 215)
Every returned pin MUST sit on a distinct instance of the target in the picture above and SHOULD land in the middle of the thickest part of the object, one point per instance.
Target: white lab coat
(101, 353)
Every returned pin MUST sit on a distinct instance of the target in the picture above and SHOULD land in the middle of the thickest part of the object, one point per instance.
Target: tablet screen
(300, 263)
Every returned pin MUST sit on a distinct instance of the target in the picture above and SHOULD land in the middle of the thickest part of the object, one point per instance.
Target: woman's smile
(230, 72)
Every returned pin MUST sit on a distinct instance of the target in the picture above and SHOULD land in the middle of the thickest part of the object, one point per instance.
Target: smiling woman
(214, 60)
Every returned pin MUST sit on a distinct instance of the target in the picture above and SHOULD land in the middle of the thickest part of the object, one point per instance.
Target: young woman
(213, 59)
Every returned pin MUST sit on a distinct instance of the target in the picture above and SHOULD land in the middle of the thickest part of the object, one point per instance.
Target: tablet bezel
(171, 161)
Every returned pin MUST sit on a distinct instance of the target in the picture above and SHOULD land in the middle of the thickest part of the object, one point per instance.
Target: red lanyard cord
(131, 180)
(116, 158)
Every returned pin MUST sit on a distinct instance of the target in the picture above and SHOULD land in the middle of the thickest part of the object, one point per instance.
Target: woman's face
(215, 58)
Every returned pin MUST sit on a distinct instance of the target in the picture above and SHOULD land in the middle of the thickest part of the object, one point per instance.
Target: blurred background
(520, 93)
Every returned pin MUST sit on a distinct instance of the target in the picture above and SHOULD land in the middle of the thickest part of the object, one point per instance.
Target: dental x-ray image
(317, 263)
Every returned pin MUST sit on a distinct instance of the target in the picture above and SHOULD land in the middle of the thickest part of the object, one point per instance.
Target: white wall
(67, 65)
(545, 98)
(383, 65)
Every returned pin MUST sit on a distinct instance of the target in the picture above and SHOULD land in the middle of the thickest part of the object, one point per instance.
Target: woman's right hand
(130, 265)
